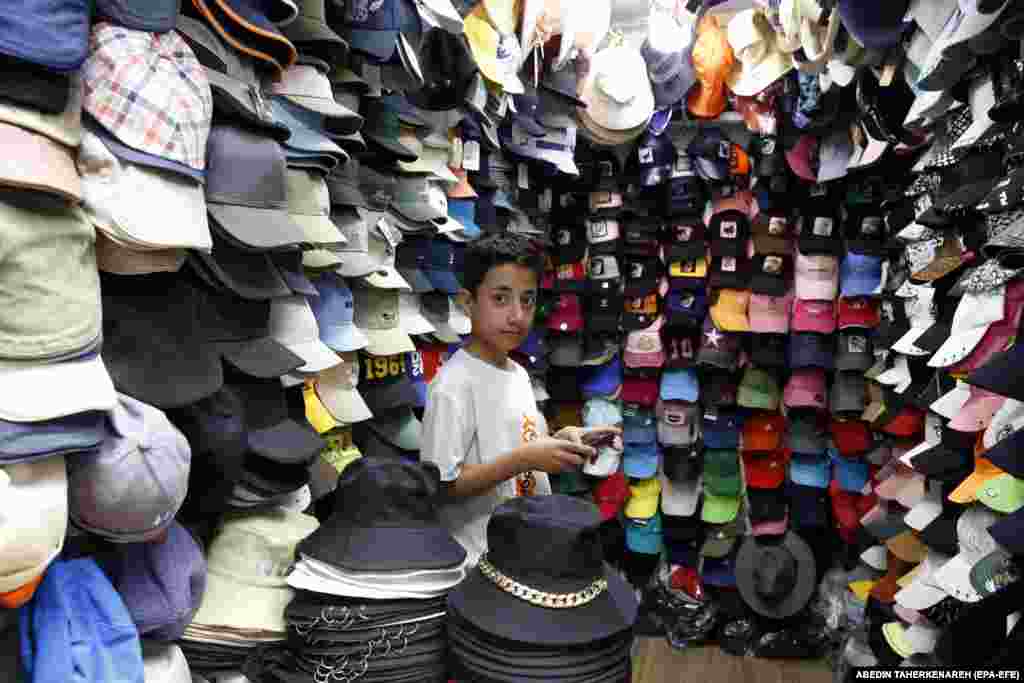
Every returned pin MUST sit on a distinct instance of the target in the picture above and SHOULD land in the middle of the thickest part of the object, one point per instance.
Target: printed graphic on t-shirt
(526, 483)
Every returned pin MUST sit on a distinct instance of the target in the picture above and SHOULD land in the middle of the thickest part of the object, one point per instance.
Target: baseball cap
(644, 347)
(806, 431)
(810, 470)
(729, 312)
(376, 316)
(602, 380)
(679, 385)
(772, 233)
(770, 274)
(759, 389)
(770, 314)
(849, 394)
(334, 310)
(566, 314)
(977, 413)
(721, 429)
(719, 349)
(763, 432)
(643, 498)
(677, 423)
(688, 274)
(566, 349)
(686, 307)
(610, 495)
(856, 312)
(974, 316)
(817, 276)
(133, 485)
(640, 390)
(718, 510)
(806, 388)
(713, 61)
(850, 474)
(814, 316)
(811, 350)
(974, 542)
(854, 351)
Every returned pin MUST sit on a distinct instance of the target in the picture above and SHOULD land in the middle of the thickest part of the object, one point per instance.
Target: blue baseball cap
(333, 311)
(679, 385)
(811, 350)
(719, 571)
(810, 470)
(25, 442)
(640, 460)
(639, 429)
(602, 380)
(464, 212)
(851, 474)
(371, 28)
(860, 274)
(601, 411)
(686, 307)
(414, 370)
(644, 535)
(442, 266)
(723, 431)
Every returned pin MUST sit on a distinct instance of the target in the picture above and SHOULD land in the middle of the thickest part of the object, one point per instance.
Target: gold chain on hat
(542, 598)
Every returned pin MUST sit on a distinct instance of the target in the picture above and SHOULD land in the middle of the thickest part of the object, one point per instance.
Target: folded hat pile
(372, 581)
(556, 614)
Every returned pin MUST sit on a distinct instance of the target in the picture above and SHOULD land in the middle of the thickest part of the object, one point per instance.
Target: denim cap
(25, 442)
(51, 33)
(131, 488)
(77, 628)
(162, 584)
(810, 470)
(334, 310)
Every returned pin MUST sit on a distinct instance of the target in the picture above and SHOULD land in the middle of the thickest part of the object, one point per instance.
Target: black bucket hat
(385, 519)
(526, 597)
(776, 579)
(448, 70)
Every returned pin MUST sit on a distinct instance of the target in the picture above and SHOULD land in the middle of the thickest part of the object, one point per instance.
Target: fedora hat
(776, 579)
(544, 579)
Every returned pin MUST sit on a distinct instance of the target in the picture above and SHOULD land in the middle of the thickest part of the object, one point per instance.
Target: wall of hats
(783, 244)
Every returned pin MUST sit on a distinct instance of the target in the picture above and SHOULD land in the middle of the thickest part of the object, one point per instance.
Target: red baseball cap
(906, 423)
(642, 390)
(851, 437)
(610, 495)
(814, 316)
(566, 314)
(765, 470)
(763, 432)
(848, 508)
(687, 580)
(858, 312)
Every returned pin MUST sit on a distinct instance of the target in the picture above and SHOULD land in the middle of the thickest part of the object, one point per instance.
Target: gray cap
(129, 490)
(849, 393)
(566, 350)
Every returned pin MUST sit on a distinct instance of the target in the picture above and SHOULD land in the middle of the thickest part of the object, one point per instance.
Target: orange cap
(19, 596)
(713, 60)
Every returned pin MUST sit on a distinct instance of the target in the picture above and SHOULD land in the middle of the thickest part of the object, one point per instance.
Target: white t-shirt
(476, 412)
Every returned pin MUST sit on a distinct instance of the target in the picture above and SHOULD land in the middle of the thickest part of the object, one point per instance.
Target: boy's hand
(553, 455)
(589, 436)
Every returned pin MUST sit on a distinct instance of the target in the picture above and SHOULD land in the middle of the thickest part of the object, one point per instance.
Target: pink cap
(769, 314)
(644, 348)
(806, 389)
(817, 277)
(814, 316)
(771, 527)
(976, 415)
(567, 315)
(800, 155)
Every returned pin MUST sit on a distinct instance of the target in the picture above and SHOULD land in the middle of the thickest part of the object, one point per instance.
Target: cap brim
(235, 98)
(255, 278)
(343, 338)
(259, 229)
(46, 391)
(388, 342)
(346, 405)
(264, 357)
(386, 277)
(958, 347)
(317, 356)
(288, 443)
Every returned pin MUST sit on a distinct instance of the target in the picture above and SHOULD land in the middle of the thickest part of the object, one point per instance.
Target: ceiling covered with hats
(778, 293)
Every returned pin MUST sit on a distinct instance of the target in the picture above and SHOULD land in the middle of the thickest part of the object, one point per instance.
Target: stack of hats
(372, 580)
(559, 613)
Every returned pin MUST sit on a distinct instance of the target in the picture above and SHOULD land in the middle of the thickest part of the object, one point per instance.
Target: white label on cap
(772, 265)
(728, 230)
(636, 270)
(564, 326)
(857, 344)
(684, 233)
(599, 228)
(776, 225)
(523, 176)
(564, 237)
(871, 225)
(823, 226)
(726, 190)
(729, 264)
(471, 155)
(546, 200)
(646, 155)
(455, 153)
(711, 414)
(687, 301)
(924, 202)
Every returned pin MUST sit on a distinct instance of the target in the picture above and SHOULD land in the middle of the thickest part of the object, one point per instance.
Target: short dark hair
(497, 250)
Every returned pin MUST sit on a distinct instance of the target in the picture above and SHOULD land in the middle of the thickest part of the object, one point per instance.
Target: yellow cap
(729, 312)
(896, 636)
(317, 415)
(861, 589)
(643, 498)
(696, 268)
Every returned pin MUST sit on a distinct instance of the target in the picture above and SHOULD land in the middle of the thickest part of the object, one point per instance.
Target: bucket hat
(759, 61)
(617, 95)
(713, 61)
(776, 579)
(598, 604)
(385, 519)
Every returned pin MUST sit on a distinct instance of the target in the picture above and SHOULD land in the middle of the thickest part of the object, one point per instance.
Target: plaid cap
(149, 91)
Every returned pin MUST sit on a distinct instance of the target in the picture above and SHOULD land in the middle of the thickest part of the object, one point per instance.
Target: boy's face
(503, 306)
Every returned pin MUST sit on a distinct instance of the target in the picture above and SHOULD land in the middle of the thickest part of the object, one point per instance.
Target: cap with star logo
(717, 348)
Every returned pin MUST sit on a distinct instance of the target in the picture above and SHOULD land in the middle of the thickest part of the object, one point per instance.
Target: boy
(481, 425)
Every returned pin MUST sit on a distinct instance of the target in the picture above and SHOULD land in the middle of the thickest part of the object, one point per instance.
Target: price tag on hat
(471, 155)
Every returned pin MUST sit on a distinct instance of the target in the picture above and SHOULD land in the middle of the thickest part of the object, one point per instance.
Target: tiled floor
(657, 662)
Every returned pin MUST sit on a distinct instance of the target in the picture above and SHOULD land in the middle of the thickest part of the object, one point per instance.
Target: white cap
(974, 315)
(293, 325)
(605, 464)
(33, 519)
(924, 591)
(1007, 420)
(457, 318)
(928, 509)
(950, 403)
(679, 498)
(336, 388)
(410, 316)
(975, 543)
(875, 557)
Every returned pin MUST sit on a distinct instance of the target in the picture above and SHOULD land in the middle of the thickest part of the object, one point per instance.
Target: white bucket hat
(617, 90)
(759, 60)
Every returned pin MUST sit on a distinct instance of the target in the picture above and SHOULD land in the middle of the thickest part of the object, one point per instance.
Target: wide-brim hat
(508, 594)
(751, 557)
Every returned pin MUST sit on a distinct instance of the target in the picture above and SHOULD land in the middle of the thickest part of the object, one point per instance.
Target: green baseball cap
(571, 482)
(719, 509)
(1004, 493)
(759, 389)
(721, 538)
(993, 572)
(722, 472)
